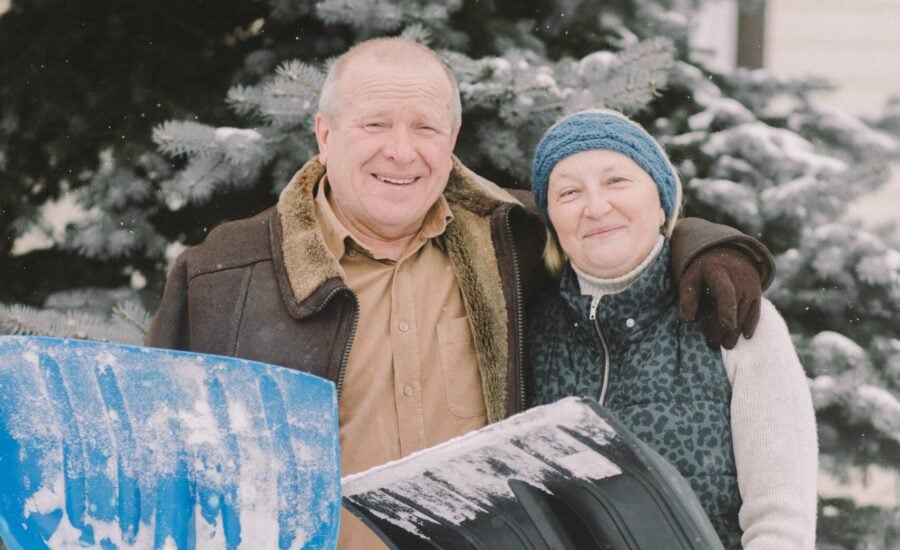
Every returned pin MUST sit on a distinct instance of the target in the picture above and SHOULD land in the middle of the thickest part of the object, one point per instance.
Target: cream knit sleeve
(774, 434)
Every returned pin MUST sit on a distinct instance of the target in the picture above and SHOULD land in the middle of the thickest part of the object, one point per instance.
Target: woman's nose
(598, 205)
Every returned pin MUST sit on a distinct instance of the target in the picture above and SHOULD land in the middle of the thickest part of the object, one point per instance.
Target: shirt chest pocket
(459, 368)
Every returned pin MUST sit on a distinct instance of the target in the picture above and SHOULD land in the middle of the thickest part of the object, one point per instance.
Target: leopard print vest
(663, 381)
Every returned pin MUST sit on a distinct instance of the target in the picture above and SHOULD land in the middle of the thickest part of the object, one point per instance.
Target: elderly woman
(739, 423)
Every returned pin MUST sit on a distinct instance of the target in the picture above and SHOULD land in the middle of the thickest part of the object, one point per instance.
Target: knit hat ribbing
(601, 130)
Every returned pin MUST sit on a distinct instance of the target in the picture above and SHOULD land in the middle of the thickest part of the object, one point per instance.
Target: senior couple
(426, 294)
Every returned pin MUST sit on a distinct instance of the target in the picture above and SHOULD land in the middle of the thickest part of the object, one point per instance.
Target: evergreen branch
(309, 76)
(199, 178)
(176, 138)
(633, 78)
(286, 109)
(658, 53)
(240, 146)
(383, 16)
(131, 312)
(372, 15)
(24, 320)
(128, 233)
(28, 321)
(244, 100)
(290, 99)
(417, 33)
(195, 182)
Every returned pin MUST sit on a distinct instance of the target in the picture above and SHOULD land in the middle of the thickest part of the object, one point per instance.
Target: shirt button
(408, 391)
(629, 323)
(404, 326)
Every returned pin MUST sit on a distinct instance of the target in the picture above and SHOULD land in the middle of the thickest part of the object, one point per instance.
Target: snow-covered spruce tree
(755, 151)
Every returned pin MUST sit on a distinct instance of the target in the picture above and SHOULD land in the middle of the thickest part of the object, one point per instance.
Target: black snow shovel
(566, 475)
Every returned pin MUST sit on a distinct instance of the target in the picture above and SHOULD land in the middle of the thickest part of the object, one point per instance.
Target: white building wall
(854, 43)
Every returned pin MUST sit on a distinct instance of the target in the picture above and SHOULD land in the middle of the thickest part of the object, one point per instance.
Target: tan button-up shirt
(411, 379)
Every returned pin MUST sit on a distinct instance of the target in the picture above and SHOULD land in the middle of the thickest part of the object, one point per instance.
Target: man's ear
(322, 134)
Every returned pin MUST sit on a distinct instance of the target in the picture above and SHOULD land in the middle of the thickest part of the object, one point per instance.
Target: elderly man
(388, 268)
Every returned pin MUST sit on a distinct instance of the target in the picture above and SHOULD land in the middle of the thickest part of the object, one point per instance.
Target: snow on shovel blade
(113, 446)
(565, 475)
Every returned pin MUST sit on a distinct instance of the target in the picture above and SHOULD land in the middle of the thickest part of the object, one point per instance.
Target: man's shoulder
(232, 244)
(525, 197)
(547, 305)
(473, 191)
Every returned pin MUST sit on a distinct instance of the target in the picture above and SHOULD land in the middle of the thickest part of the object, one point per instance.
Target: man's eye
(374, 125)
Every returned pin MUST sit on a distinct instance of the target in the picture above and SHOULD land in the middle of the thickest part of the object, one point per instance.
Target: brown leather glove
(721, 287)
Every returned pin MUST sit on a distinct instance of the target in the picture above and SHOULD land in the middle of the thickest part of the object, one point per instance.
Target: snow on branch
(381, 16)
(182, 138)
(117, 234)
(196, 183)
(777, 148)
(286, 101)
(24, 320)
(737, 201)
(132, 313)
(244, 100)
(417, 33)
(864, 404)
(843, 132)
(626, 81)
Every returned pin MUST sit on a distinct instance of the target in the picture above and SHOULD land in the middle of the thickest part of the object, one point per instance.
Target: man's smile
(395, 180)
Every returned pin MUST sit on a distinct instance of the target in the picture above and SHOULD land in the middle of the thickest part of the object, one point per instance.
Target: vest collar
(624, 316)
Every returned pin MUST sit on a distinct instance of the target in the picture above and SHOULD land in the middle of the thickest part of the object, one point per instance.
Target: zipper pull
(594, 303)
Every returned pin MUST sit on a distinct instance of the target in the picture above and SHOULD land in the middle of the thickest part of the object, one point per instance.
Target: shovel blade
(112, 446)
(565, 475)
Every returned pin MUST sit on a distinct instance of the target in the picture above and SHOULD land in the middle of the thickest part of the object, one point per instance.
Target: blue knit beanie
(603, 130)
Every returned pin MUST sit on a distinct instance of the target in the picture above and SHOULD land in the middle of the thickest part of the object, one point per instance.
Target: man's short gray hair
(388, 49)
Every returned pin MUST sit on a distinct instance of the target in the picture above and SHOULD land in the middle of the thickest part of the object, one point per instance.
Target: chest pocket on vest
(459, 368)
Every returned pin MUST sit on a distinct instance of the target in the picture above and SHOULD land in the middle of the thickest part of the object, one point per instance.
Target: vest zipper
(606, 361)
(520, 321)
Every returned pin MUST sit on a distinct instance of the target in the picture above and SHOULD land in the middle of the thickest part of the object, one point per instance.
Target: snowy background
(127, 131)
(855, 46)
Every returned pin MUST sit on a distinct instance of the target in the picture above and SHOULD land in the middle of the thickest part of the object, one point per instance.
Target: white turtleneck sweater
(773, 425)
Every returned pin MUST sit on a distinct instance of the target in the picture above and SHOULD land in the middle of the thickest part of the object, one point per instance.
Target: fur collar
(307, 259)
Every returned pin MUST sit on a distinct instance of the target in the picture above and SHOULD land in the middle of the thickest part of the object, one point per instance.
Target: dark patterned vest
(663, 381)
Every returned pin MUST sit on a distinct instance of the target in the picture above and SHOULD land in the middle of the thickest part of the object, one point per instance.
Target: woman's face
(605, 210)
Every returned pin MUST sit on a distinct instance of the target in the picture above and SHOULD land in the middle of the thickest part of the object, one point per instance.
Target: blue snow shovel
(112, 446)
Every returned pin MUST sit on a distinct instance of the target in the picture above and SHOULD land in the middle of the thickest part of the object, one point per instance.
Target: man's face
(388, 150)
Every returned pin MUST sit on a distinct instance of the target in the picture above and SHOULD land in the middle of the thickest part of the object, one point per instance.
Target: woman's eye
(616, 180)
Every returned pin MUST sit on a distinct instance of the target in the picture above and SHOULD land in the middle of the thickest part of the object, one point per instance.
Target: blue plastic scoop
(112, 446)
